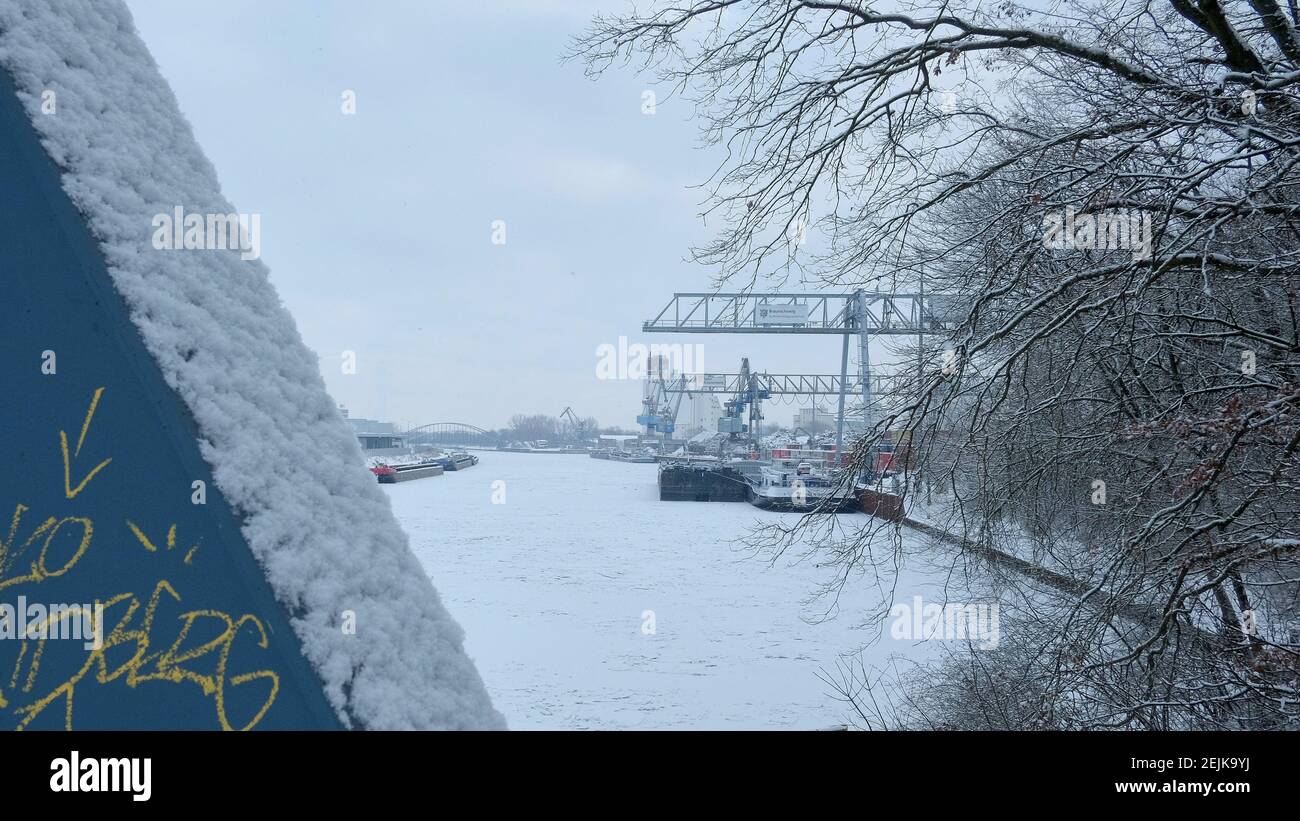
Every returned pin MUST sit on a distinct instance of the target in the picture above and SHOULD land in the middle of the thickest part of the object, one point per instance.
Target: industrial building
(376, 438)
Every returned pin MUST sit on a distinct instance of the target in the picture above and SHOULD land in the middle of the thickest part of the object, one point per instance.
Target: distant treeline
(532, 427)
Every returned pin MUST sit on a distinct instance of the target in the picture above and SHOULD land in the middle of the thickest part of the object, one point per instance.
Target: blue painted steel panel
(194, 637)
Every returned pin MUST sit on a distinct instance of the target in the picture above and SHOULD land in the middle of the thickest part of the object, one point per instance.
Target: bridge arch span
(450, 433)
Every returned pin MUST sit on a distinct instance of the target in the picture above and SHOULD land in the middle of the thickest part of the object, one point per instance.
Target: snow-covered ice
(552, 585)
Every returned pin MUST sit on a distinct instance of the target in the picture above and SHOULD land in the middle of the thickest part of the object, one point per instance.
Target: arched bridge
(450, 433)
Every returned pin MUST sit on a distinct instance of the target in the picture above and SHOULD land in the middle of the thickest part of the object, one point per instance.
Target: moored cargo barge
(800, 488)
(458, 461)
(682, 482)
(392, 474)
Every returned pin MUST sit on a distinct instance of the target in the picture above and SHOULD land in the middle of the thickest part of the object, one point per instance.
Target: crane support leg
(864, 342)
(839, 419)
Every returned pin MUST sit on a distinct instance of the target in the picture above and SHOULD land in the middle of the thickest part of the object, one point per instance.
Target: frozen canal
(553, 588)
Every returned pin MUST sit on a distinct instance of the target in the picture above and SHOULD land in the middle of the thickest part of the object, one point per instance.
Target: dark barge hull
(460, 463)
(409, 473)
(691, 483)
(844, 505)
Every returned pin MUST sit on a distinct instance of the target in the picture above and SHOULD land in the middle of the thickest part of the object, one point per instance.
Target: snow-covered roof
(318, 524)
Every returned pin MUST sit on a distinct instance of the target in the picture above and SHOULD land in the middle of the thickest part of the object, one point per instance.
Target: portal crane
(748, 397)
(861, 313)
(658, 406)
(578, 426)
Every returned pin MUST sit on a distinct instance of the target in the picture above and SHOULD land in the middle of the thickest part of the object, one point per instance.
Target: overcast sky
(377, 227)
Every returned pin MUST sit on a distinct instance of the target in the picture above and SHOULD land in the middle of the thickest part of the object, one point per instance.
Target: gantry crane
(861, 312)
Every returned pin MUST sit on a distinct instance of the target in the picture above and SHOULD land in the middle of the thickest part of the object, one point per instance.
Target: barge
(800, 488)
(613, 455)
(683, 482)
(458, 461)
(392, 474)
(767, 485)
(634, 458)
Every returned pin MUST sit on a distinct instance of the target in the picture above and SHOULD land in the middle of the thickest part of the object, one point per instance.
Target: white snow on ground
(551, 587)
(279, 450)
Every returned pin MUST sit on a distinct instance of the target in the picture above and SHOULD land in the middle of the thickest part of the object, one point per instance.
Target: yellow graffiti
(68, 490)
(38, 569)
(144, 540)
(193, 649)
(172, 665)
(148, 544)
(7, 555)
(18, 666)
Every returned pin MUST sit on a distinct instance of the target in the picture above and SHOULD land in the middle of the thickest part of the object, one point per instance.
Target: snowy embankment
(283, 457)
(591, 604)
